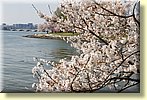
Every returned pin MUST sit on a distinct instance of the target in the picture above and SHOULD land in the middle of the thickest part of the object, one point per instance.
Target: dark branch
(49, 76)
(107, 78)
(113, 14)
(102, 40)
(125, 78)
(49, 9)
(35, 8)
(88, 78)
(123, 61)
(127, 87)
(76, 77)
(135, 19)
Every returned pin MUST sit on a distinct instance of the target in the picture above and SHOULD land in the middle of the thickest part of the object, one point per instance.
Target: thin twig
(49, 76)
(89, 81)
(104, 41)
(128, 87)
(49, 9)
(35, 8)
(114, 14)
(125, 78)
(135, 19)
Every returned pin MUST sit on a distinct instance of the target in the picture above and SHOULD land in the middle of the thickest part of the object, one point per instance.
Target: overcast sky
(23, 12)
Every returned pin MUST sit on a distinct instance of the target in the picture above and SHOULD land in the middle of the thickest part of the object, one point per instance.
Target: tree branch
(125, 78)
(35, 8)
(113, 14)
(49, 9)
(128, 87)
(94, 33)
(135, 19)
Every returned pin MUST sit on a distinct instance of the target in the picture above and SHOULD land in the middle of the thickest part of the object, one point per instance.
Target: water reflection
(63, 53)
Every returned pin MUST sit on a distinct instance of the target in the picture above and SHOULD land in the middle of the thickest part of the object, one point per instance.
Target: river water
(18, 53)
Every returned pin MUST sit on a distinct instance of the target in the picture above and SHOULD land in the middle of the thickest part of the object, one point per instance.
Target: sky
(20, 11)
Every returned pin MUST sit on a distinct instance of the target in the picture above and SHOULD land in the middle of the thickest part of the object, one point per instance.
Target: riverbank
(51, 35)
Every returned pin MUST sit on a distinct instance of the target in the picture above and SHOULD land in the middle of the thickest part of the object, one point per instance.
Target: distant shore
(51, 36)
(43, 36)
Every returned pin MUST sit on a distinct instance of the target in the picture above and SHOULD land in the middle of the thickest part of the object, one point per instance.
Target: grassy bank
(65, 34)
(51, 35)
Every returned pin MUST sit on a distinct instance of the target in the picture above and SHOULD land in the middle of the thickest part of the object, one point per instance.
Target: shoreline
(45, 36)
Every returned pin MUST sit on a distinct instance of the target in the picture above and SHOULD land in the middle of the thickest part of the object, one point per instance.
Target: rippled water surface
(18, 53)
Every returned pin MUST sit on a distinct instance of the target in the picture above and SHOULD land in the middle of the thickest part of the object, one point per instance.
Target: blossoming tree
(108, 46)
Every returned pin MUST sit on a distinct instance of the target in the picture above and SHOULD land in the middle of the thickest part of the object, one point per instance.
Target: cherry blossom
(108, 47)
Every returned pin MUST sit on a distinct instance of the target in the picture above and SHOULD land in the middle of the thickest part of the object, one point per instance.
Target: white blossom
(97, 63)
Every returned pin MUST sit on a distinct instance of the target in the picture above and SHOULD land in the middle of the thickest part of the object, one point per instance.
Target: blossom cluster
(108, 46)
